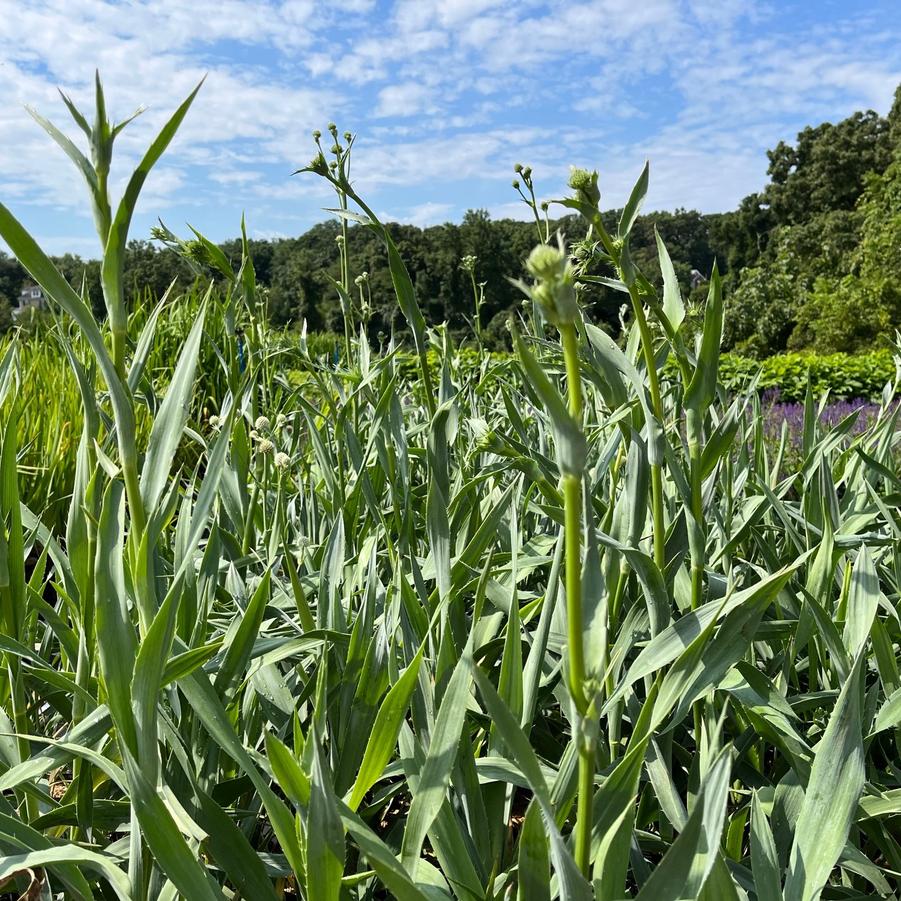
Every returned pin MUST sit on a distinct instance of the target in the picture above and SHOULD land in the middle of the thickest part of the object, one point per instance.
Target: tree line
(810, 261)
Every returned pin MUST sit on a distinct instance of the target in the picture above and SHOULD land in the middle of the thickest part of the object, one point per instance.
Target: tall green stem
(345, 280)
(572, 502)
(696, 541)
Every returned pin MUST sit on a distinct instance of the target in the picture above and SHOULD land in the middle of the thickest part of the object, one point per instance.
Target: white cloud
(401, 100)
(428, 214)
(445, 94)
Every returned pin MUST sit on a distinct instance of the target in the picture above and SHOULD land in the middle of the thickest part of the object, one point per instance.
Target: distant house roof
(31, 297)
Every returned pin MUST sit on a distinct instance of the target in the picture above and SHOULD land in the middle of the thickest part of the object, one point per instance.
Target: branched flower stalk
(337, 173)
(531, 201)
(468, 265)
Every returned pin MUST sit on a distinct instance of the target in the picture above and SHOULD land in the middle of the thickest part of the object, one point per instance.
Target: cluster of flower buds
(262, 428)
(554, 289)
(262, 435)
(585, 185)
(525, 172)
(468, 263)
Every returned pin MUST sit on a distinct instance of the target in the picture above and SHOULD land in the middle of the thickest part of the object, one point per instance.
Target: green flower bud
(527, 173)
(317, 134)
(585, 184)
(318, 165)
(546, 262)
(517, 168)
(553, 290)
(487, 441)
(543, 295)
(515, 184)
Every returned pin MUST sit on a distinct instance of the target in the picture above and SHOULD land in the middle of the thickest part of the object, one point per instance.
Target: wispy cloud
(445, 95)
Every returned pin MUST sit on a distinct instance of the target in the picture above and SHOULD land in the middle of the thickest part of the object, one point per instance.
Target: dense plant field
(50, 421)
(566, 624)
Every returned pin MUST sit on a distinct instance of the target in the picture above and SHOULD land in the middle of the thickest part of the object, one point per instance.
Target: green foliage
(827, 231)
(862, 306)
(827, 168)
(434, 631)
(841, 375)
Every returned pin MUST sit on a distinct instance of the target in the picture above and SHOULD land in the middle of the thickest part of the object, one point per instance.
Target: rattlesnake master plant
(550, 626)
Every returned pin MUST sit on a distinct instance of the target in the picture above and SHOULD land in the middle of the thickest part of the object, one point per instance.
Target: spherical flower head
(583, 251)
(515, 184)
(585, 184)
(333, 129)
(265, 446)
(517, 168)
(337, 148)
(347, 136)
(545, 206)
(317, 134)
(282, 460)
(527, 172)
(254, 435)
(262, 424)
(359, 281)
(553, 289)
(214, 422)
(547, 263)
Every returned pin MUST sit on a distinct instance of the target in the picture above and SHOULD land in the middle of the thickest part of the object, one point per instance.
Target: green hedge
(843, 375)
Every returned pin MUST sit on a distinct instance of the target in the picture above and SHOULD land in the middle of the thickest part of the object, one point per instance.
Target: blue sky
(444, 95)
